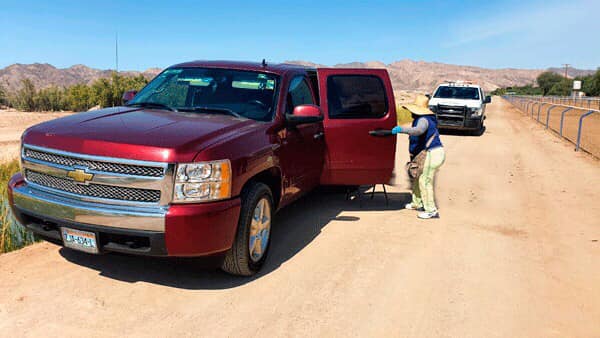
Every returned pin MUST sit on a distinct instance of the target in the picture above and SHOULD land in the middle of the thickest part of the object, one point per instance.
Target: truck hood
(141, 134)
(455, 102)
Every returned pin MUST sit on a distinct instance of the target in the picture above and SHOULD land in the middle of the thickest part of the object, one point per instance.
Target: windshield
(465, 93)
(212, 90)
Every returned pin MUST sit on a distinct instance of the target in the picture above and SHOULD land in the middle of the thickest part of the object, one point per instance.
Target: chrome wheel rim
(260, 229)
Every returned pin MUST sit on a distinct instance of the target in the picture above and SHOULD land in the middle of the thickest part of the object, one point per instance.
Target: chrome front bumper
(31, 200)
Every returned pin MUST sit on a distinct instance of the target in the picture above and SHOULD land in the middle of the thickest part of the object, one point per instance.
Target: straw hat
(420, 107)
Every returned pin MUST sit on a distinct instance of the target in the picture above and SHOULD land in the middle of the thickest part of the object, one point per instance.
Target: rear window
(464, 93)
(356, 97)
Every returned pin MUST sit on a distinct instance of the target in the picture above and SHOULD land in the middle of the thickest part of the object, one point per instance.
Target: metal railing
(534, 106)
(581, 102)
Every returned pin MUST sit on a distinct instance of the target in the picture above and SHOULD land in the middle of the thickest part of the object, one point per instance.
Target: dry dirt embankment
(12, 125)
(515, 254)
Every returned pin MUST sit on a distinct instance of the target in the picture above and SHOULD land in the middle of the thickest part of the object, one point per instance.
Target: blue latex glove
(396, 130)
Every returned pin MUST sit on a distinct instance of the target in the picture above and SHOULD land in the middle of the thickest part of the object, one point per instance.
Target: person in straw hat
(424, 143)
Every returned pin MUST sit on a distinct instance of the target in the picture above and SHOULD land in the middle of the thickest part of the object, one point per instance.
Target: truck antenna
(117, 52)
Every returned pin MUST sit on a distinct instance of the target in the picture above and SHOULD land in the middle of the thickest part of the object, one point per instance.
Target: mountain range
(410, 75)
(406, 75)
(45, 75)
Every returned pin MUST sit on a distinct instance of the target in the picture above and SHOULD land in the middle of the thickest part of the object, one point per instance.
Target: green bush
(12, 235)
(551, 82)
(3, 96)
(591, 84)
(403, 115)
(554, 84)
(80, 97)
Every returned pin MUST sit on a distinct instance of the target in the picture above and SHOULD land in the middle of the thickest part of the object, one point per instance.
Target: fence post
(532, 106)
(562, 118)
(548, 116)
(539, 110)
(580, 125)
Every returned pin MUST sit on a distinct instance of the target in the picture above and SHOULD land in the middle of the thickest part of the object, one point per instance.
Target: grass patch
(12, 235)
(403, 115)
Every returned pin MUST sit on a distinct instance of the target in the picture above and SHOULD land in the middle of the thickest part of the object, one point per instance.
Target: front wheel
(251, 245)
(479, 131)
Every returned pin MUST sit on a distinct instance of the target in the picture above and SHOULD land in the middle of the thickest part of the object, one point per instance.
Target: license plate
(80, 240)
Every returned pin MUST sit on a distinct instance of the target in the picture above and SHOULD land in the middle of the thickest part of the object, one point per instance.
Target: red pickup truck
(199, 160)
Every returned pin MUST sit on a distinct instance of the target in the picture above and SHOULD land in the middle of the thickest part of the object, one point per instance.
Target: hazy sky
(496, 34)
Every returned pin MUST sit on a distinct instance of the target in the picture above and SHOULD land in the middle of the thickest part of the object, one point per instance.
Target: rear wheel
(252, 241)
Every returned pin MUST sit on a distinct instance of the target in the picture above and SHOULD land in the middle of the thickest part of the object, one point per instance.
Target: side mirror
(128, 96)
(488, 99)
(304, 114)
(428, 96)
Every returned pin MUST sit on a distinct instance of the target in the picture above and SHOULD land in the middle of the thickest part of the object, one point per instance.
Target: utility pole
(566, 69)
(117, 52)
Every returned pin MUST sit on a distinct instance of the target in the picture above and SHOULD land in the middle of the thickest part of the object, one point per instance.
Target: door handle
(380, 133)
(318, 135)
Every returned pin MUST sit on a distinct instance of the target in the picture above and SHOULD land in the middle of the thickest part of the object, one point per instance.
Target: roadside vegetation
(106, 92)
(552, 84)
(403, 115)
(12, 235)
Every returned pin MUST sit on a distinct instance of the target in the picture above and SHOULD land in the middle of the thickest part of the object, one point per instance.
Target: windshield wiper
(212, 109)
(152, 105)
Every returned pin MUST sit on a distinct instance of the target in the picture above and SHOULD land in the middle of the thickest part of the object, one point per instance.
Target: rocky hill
(407, 75)
(45, 75)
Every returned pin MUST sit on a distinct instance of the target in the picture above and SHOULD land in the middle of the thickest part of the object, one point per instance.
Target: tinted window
(299, 93)
(465, 93)
(356, 97)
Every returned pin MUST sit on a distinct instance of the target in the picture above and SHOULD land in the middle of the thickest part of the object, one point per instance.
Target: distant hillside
(572, 72)
(424, 76)
(45, 75)
(407, 75)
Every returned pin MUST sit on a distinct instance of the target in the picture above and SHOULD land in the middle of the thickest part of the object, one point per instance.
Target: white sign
(576, 85)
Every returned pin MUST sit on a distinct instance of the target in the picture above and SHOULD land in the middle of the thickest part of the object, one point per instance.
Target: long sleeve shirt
(418, 130)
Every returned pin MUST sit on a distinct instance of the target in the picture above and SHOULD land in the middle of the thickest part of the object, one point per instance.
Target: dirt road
(516, 253)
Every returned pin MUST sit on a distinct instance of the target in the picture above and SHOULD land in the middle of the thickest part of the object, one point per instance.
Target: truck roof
(459, 84)
(276, 68)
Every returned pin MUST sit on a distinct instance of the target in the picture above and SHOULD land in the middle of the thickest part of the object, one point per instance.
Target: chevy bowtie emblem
(80, 176)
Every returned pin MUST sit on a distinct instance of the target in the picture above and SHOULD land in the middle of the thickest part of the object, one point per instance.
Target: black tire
(237, 260)
(479, 131)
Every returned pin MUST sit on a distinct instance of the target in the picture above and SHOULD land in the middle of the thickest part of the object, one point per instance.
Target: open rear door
(354, 102)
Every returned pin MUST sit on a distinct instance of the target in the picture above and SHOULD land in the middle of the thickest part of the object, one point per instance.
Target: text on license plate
(79, 240)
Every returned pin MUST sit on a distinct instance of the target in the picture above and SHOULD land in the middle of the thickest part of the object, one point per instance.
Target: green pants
(423, 187)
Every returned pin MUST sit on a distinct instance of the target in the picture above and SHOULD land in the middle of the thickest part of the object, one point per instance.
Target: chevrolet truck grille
(119, 168)
(91, 178)
(93, 190)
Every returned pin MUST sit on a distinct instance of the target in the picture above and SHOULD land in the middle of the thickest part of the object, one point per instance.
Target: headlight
(475, 112)
(433, 108)
(202, 181)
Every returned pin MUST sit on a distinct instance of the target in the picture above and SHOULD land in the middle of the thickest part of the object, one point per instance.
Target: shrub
(102, 92)
(12, 235)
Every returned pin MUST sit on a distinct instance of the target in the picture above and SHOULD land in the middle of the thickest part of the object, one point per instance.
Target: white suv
(459, 105)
